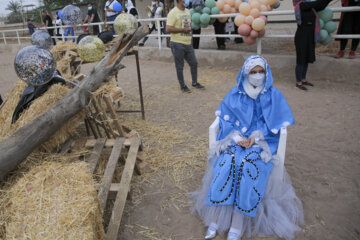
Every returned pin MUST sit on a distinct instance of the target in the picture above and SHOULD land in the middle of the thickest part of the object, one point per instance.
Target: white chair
(279, 169)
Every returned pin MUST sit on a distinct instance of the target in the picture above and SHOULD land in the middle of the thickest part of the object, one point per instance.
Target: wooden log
(22, 142)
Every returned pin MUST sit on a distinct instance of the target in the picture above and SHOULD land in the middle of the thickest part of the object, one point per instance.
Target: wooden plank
(121, 196)
(114, 116)
(109, 172)
(94, 158)
(105, 116)
(99, 114)
(109, 143)
(114, 188)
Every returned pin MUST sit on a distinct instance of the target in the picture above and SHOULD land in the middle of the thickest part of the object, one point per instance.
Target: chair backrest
(279, 169)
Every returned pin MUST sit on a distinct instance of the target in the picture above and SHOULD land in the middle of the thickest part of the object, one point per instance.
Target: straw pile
(65, 53)
(54, 201)
(40, 105)
(60, 48)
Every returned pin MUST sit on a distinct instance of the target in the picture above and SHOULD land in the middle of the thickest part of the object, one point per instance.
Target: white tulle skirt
(279, 214)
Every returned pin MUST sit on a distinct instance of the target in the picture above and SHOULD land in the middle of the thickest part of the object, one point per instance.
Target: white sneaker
(210, 233)
(233, 236)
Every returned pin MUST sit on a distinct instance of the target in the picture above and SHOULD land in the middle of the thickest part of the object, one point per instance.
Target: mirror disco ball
(34, 65)
(71, 15)
(125, 23)
(42, 39)
(91, 49)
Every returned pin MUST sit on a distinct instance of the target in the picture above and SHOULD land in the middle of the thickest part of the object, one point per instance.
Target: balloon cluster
(200, 14)
(327, 26)
(251, 24)
(91, 49)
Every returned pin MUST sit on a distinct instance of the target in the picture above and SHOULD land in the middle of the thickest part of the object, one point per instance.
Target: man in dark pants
(48, 23)
(178, 24)
(196, 40)
(92, 17)
(220, 29)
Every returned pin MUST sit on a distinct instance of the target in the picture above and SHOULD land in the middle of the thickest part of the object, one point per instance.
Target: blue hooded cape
(239, 174)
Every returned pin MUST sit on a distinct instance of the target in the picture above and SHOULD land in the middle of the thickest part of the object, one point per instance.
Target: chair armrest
(213, 129)
(281, 153)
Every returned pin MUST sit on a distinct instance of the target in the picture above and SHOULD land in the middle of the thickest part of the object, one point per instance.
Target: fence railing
(160, 36)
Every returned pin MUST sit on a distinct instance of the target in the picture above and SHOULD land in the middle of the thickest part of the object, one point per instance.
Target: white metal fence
(159, 35)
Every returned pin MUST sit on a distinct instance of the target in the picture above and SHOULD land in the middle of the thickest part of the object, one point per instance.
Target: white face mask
(89, 8)
(256, 79)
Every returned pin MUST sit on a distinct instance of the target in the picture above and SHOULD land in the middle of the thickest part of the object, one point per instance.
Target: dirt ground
(322, 155)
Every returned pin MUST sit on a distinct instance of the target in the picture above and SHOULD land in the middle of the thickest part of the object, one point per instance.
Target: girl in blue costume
(239, 191)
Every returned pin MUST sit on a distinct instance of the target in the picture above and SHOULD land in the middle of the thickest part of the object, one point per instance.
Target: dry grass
(37, 107)
(53, 201)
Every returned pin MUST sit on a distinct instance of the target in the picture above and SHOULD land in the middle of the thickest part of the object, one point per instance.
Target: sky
(4, 3)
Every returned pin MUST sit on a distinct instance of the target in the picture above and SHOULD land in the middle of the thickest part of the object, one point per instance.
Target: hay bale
(37, 107)
(59, 50)
(8, 107)
(54, 201)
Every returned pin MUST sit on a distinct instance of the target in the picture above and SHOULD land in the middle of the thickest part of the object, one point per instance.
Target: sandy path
(322, 151)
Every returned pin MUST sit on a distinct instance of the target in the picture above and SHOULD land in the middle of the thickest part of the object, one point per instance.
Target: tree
(13, 6)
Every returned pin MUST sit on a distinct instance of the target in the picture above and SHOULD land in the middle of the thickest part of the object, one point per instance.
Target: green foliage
(13, 6)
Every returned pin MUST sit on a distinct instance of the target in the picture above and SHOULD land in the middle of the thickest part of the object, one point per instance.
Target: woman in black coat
(307, 20)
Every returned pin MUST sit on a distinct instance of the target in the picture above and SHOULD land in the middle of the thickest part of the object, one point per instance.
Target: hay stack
(54, 201)
(60, 48)
(40, 105)
(65, 53)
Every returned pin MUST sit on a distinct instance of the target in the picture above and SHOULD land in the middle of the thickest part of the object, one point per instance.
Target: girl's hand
(243, 143)
(251, 142)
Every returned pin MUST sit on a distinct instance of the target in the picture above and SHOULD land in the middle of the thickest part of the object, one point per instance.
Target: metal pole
(62, 33)
(258, 46)
(4, 38)
(140, 86)
(17, 34)
(100, 30)
(159, 33)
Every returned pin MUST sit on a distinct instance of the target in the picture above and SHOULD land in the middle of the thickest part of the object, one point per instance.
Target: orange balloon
(239, 19)
(255, 4)
(264, 2)
(262, 33)
(249, 19)
(249, 40)
(255, 12)
(227, 8)
(264, 18)
(231, 3)
(258, 24)
(220, 4)
(272, 2)
(222, 20)
(244, 9)
(263, 8)
(237, 3)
